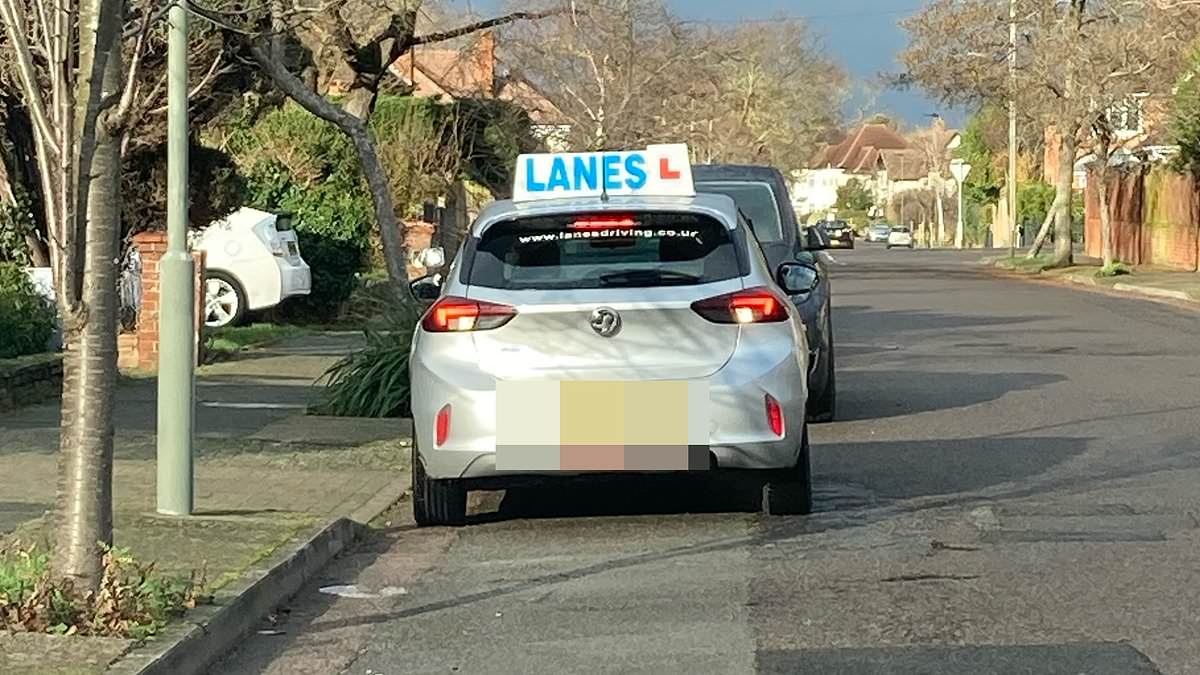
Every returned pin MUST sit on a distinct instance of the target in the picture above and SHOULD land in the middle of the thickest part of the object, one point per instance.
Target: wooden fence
(1155, 218)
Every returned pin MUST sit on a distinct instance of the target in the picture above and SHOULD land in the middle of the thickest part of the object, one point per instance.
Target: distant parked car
(252, 263)
(901, 237)
(878, 233)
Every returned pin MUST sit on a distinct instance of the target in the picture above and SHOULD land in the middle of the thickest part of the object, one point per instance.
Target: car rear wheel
(224, 300)
(436, 502)
(789, 493)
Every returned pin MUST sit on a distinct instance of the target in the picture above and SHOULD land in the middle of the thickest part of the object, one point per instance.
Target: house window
(1126, 118)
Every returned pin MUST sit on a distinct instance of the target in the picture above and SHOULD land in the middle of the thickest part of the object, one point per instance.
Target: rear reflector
(455, 315)
(441, 427)
(774, 416)
(752, 305)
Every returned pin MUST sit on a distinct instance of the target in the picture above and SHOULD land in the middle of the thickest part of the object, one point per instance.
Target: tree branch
(14, 22)
(482, 25)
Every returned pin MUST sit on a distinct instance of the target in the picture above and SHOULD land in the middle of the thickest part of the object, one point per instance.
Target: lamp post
(176, 318)
(959, 169)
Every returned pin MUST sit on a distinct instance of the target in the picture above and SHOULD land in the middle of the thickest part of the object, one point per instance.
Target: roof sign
(659, 170)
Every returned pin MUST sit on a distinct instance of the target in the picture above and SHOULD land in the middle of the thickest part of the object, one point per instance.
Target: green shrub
(373, 382)
(295, 162)
(133, 600)
(1114, 270)
(27, 320)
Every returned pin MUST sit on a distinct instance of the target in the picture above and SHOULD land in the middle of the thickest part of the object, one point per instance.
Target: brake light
(752, 305)
(774, 416)
(441, 427)
(277, 248)
(603, 222)
(456, 315)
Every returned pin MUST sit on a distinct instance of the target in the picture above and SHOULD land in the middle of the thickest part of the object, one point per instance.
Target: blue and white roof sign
(659, 170)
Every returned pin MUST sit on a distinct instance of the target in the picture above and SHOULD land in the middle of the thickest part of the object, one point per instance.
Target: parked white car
(253, 263)
(900, 236)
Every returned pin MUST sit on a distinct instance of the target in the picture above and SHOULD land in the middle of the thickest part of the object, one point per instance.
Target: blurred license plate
(293, 249)
(602, 426)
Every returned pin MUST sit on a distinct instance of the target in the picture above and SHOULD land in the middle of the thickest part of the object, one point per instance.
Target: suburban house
(886, 161)
(1139, 128)
(477, 72)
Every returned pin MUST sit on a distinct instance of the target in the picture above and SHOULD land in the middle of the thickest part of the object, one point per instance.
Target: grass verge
(225, 342)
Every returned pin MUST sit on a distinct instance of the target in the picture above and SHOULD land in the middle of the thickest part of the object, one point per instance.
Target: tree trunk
(1043, 231)
(1106, 234)
(395, 252)
(1064, 193)
(941, 214)
(1059, 214)
(83, 522)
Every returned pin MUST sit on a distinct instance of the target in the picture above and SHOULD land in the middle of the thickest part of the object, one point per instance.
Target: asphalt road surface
(1013, 486)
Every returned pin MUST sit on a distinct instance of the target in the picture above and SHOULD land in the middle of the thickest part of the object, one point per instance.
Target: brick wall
(141, 350)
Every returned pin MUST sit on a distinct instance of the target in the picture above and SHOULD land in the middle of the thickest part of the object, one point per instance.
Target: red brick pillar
(417, 236)
(151, 247)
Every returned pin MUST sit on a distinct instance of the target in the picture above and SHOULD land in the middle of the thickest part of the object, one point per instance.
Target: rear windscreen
(757, 203)
(604, 250)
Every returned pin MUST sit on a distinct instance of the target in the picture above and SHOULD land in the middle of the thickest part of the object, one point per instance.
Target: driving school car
(608, 319)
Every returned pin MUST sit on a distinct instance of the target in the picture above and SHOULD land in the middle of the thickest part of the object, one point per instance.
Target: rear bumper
(739, 434)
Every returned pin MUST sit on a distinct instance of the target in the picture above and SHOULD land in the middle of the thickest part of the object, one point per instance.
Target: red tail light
(441, 428)
(774, 416)
(604, 221)
(752, 305)
(452, 315)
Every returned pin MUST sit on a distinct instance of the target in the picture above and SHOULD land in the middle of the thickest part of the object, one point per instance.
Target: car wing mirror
(426, 289)
(796, 278)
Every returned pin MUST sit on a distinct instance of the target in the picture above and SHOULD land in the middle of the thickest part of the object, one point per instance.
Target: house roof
(904, 164)
(859, 152)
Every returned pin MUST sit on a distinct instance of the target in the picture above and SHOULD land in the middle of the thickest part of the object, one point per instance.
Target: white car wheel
(224, 301)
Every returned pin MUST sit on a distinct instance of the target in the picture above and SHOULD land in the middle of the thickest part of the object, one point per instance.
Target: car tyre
(789, 492)
(436, 502)
(224, 300)
(824, 408)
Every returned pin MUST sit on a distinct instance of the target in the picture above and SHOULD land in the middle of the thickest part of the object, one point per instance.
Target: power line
(810, 17)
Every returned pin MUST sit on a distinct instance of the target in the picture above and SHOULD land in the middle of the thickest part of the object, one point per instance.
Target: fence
(1155, 218)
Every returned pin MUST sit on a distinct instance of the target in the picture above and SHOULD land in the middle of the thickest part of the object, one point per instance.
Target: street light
(177, 314)
(959, 169)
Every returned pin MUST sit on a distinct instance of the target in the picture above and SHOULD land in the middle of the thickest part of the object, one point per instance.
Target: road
(1011, 488)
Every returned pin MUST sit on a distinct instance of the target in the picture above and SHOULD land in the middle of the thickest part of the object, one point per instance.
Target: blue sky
(863, 34)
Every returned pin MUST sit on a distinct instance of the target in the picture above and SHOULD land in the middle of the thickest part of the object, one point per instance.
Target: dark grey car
(761, 194)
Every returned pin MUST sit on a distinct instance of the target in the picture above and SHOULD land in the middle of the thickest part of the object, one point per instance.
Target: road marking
(254, 406)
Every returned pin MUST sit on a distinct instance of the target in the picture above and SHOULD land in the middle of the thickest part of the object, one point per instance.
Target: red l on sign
(664, 169)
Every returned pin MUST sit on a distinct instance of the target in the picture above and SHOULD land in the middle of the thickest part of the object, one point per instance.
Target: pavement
(266, 475)
(1143, 280)
(1009, 488)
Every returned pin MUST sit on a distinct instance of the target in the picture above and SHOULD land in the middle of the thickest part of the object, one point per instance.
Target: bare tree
(1077, 59)
(628, 72)
(77, 97)
(361, 36)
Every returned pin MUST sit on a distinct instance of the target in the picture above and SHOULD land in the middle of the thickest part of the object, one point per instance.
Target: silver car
(582, 335)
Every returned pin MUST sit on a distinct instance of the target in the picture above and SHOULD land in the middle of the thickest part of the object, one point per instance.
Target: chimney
(485, 62)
